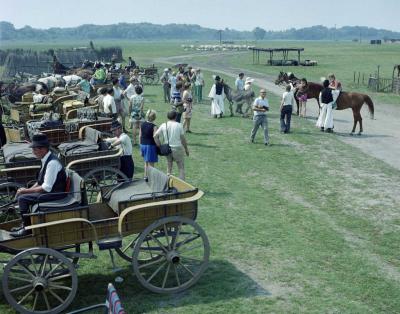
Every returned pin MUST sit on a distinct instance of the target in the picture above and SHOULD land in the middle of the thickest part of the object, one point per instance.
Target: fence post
(377, 82)
(354, 76)
(358, 79)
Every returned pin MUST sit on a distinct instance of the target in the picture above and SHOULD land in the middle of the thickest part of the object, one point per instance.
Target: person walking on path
(172, 133)
(248, 88)
(148, 147)
(287, 104)
(260, 108)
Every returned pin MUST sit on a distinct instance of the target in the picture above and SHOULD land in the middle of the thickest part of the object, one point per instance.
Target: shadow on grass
(202, 133)
(202, 145)
(355, 135)
(222, 281)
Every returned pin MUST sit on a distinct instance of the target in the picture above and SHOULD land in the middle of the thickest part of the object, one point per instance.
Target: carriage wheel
(148, 79)
(156, 78)
(170, 255)
(100, 178)
(7, 196)
(40, 280)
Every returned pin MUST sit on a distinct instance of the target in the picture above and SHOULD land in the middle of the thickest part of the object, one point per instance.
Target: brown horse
(313, 88)
(355, 101)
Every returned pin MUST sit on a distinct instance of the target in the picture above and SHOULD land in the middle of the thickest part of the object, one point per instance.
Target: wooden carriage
(149, 75)
(150, 223)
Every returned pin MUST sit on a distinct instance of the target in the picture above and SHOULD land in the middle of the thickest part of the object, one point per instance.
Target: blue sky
(219, 14)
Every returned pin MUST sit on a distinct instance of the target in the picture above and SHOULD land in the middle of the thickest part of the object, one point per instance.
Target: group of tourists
(260, 106)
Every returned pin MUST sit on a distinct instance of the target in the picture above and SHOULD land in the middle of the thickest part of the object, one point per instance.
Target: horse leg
(231, 108)
(297, 103)
(354, 122)
(360, 121)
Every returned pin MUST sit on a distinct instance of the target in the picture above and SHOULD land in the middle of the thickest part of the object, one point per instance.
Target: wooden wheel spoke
(52, 271)
(187, 269)
(21, 279)
(177, 276)
(34, 265)
(156, 272)
(56, 296)
(54, 286)
(46, 300)
(26, 270)
(191, 259)
(191, 248)
(187, 240)
(59, 277)
(43, 266)
(159, 243)
(176, 237)
(151, 263)
(21, 288)
(166, 236)
(26, 295)
(130, 245)
(35, 300)
(166, 275)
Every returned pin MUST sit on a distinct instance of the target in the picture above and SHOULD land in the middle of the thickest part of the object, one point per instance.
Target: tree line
(148, 31)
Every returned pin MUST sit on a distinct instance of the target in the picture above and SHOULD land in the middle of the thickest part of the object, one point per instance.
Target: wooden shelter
(270, 61)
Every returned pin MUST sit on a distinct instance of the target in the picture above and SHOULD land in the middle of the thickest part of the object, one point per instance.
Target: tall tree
(259, 33)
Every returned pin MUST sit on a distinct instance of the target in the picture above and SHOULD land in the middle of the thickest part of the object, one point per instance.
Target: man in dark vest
(50, 185)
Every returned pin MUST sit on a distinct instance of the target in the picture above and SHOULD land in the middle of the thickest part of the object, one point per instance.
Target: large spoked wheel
(170, 255)
(7, 196)
(40, 280)
(101, 178)
(149, 79)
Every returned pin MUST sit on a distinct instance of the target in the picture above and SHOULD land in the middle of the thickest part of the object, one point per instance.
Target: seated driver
(50, 185)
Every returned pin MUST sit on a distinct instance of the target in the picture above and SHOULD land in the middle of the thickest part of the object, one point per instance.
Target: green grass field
(307, 225)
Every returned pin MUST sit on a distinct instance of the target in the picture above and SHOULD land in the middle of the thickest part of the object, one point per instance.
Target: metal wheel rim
(40, 273)
(100, 177)
(175, 270)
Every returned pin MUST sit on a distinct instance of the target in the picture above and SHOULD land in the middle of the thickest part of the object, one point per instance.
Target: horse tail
(370, 104)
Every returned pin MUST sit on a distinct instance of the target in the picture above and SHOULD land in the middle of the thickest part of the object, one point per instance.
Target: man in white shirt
(50, 185)
(172, 133)
(260, 108)
(110, 109)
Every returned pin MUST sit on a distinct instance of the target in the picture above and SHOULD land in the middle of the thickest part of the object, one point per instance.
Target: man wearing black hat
(50, 185)
(122, 140)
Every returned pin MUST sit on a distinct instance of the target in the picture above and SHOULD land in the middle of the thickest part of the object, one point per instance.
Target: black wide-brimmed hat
(115, 125)
(217, 78)
(39, 140)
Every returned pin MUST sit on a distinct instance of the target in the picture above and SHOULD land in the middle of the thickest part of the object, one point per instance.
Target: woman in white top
(287, 104)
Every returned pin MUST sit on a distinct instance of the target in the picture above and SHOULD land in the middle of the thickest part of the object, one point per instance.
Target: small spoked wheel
(171, 255)
(40, 280)
(100, 178)
(7, 195)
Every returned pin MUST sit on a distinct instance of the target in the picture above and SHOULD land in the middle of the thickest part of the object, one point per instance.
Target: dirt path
(381, 137)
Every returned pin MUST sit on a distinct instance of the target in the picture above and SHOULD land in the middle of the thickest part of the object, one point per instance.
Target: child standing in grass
(187, 105)
(302, 97)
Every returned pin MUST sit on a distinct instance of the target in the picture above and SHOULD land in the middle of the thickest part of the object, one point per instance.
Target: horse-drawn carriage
(150, 223)
(149, 75)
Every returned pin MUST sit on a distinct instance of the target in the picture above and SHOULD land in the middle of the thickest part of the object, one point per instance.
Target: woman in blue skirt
(148, 146)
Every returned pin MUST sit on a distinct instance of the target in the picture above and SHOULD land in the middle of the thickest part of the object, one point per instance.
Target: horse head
(282, 78)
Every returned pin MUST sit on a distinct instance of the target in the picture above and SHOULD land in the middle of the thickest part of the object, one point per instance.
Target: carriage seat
(73, 198)
(156, 185)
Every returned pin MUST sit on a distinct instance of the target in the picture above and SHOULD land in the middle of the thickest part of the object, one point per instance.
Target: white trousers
(217, 105)
(325, 119)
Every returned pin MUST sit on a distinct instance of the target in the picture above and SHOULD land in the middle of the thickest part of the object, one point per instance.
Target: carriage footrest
(110, 243)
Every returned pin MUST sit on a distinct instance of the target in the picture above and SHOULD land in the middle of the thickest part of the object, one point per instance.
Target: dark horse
(238, 98)
(15, 92)
(313, 88)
